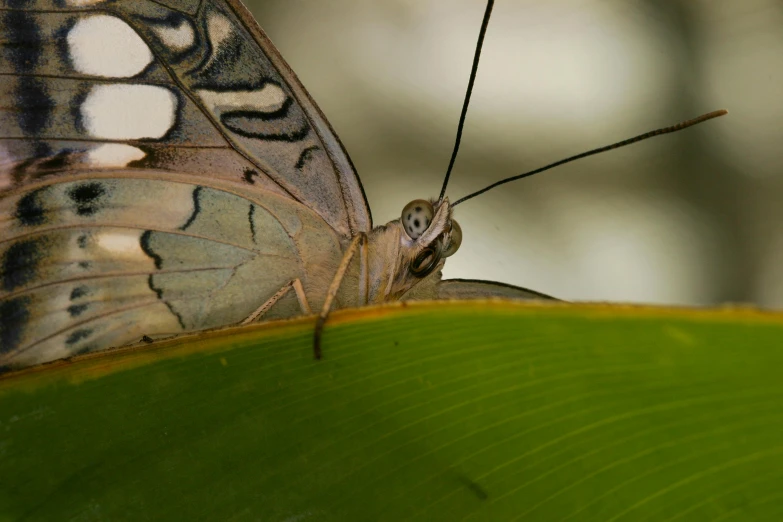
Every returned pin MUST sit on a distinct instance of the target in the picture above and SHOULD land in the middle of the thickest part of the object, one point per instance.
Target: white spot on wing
(122, 243)
(103, 45)
(178, 38)
(114, 155)
(125, 112)
(219, 30)
(267, 99)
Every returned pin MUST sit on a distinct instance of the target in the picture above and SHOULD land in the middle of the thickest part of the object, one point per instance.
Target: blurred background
(690, 218)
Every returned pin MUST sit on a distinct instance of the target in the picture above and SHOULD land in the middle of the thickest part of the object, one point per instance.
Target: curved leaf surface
(483, 410)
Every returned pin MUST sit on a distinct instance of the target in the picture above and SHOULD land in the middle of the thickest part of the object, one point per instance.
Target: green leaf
(449, 411)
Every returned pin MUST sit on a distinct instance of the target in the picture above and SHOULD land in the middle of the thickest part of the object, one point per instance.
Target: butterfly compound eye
(456, 239)
(416, 217)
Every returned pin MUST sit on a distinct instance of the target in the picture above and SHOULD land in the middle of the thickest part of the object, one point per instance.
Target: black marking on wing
(18, 173)
(76, 109)
(220, 64)
(82, 241)
(159, 292)
(56, 162)
(147, 248)
(15, 313)
(24, 45)
(78, 335)
(77, 309)
(179, 6)
(173, 20)
(30, 210)
(250, 215)
(39, 161)
(288, 123)
(79, 292)
(33, 104)
(239, 121)
(305, 156)
(41, 149)
(20, 262)
(87, 197)
(179, 110)
(196, 209)
(84, 265)
(19, 4)
(249, 174)
(224, 62)
(151, 284)
(277, 114)
(61, 43)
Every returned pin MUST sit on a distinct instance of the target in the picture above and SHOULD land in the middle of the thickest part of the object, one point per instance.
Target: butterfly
(163, 170)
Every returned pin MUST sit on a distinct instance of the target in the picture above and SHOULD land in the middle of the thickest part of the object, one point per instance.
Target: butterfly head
(429, 235)
(407, 254)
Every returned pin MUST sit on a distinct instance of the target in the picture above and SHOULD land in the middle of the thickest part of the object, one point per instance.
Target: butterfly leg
(296, 284)
(358, 240)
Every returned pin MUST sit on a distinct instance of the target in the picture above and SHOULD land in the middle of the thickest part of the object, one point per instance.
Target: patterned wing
(161, 170)
(182, 85)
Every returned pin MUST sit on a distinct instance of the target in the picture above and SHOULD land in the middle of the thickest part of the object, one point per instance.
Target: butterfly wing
(433, 287)
(188, 86)
(161, 170)
(477, 289)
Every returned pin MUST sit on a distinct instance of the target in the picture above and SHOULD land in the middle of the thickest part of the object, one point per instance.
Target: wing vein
(118, 274)
(179, 232)
(134, 142)
(91, 79)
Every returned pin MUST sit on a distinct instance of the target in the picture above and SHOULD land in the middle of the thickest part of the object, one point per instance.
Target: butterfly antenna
(657, 132)
(465, 104)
